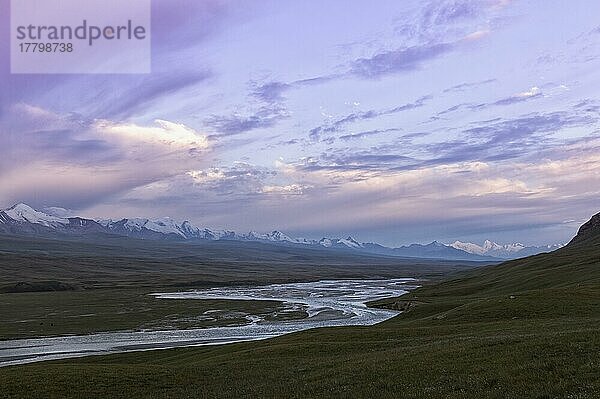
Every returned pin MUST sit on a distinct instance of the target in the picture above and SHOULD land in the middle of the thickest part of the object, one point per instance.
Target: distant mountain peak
(278, 234)
(58, 211)
(504, 251)
(23, 213)
(21, 207)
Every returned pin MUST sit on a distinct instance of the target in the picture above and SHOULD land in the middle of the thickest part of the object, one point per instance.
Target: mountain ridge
(23, 219)
(588, 231)
(503, 251)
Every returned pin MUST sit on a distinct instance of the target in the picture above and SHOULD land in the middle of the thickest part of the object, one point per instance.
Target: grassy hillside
(524, 329)
(573, 266)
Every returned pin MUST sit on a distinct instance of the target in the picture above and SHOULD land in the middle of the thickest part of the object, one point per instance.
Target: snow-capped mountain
(434, 249)
(23, 219)
(164, 228)
(273, 236)
(339, 243)
(504, 251)
(25, 214)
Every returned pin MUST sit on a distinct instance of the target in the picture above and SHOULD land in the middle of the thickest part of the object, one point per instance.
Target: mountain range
(23, 219)
(503, 251)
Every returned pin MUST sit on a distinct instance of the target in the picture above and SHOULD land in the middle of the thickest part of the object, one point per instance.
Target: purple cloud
(270, 92)
(367, 133)
(144, 92)
(234, 124)
(400, 60)
(467, 85)
(338, 124)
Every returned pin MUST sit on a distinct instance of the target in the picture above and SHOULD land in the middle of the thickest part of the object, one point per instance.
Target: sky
(396, 121)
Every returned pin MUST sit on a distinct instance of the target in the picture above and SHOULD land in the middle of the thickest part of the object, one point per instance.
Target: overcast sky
(393, 121)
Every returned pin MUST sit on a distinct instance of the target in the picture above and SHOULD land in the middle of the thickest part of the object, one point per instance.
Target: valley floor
(49, 314)
(537, 344)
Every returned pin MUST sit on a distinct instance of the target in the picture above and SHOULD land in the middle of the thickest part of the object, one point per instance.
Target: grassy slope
(528, 328)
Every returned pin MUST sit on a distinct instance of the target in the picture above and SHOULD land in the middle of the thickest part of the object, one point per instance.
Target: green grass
(42, 314)
(524, 329)
(413, 358)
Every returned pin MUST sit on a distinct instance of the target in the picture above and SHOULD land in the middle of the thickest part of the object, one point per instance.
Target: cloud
(236, 123)
(338, 124)
(435, 15)
(178, 24)
(367, 133)
(448, 18)
(468, 85)
(528, 126)
(267, 108)
(240, 179)
(435, 34)
(270, 107)
(289, 189)
(361, 160)
(270, 92)
(508, 139)
(496, 140)
(399, 60)
(448, 12)
(165, 133)
(477, 35)
(435, 29)
(179, 27)
(530, 94)
(469, 190)
(124, 101)
(520, 194)
(457, 107)
(71, 162)
(588, 105)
